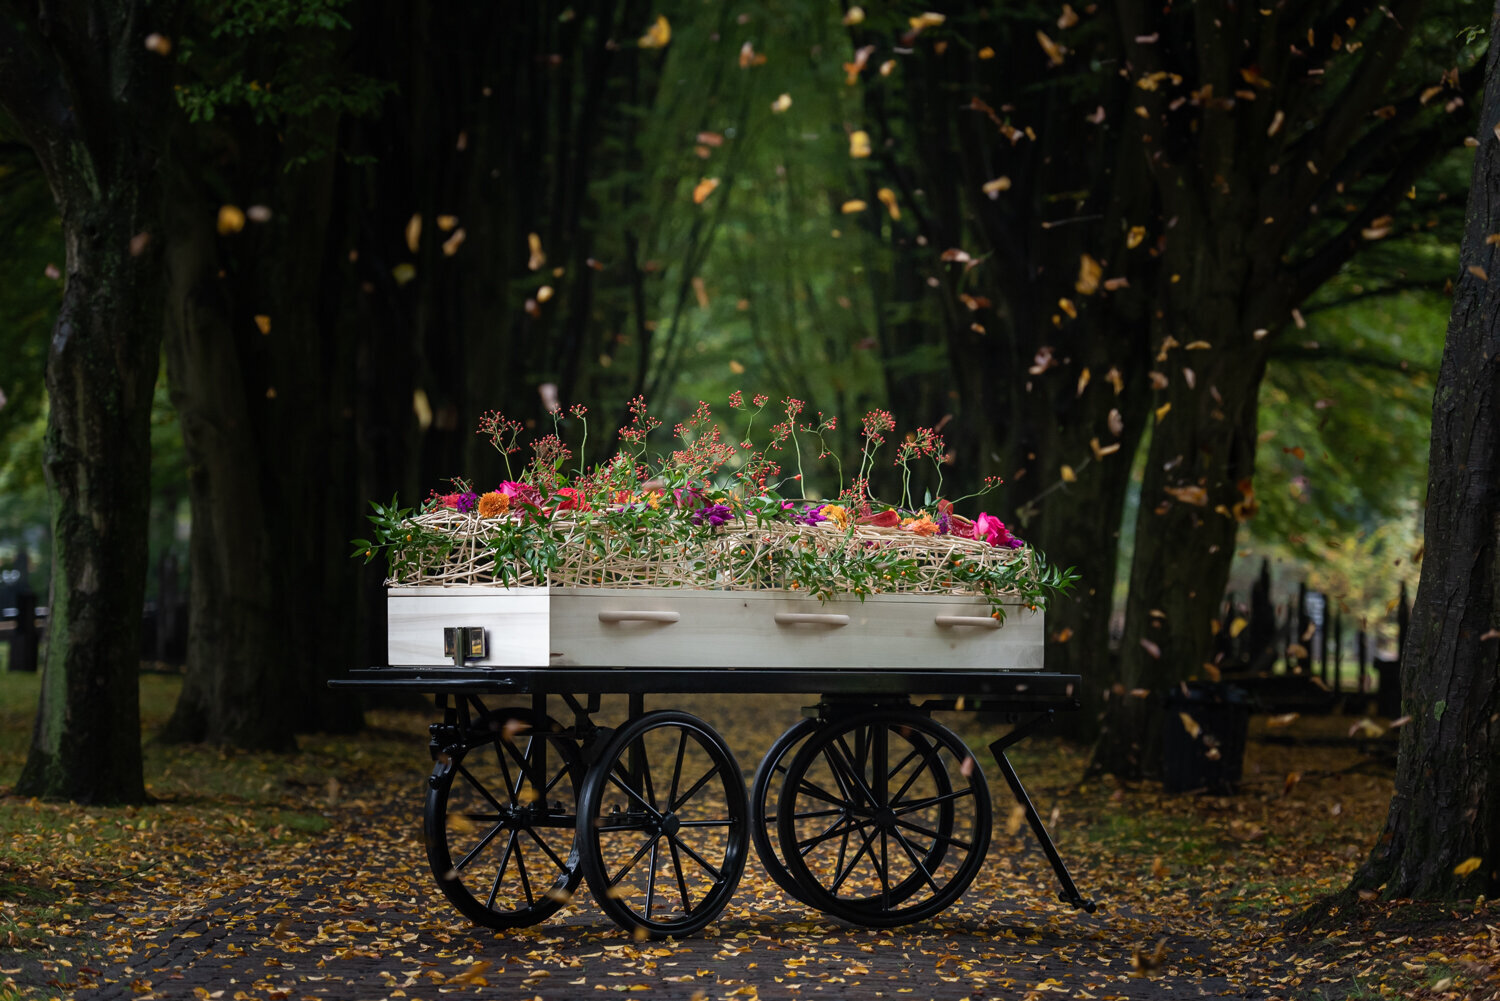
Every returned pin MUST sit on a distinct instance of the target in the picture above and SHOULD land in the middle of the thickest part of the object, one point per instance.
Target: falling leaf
(993, 188)
(852, 206)
(258, 213)
(888, 199)
(781, 103)
(544, 294)
(1134, 237)
(1478, 272)
(1159, 868)
(888, 67)
(927, 19)
(231, 220)
(861, 57)
(1468, 865)
(658, 35)
(1366, 728)
(736, 367)
(1066, 305)
(1151, 648)
(1089, 273)
(703, 189)
(749, 57)
(1195, 495)
(854, 15)
(1276, 121)
(954, 255)
(413, 232)
(1399, 722)
(1238, 625)
(538, 257)
(1063, 635)
(403, 273)
(263, 322)
(451, 245)
(160, 44)
(1067, 474)
(1290, 782)
(987, 53)
(1068, 18)
(859, 144)
(1162, 411)
(1083, 381)
(1052, 49)
(1100, 451)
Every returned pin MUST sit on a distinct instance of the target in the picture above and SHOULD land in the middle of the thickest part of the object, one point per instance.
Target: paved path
(357, 917)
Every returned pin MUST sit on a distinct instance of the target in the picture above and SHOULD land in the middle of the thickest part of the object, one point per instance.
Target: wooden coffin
(681, 628)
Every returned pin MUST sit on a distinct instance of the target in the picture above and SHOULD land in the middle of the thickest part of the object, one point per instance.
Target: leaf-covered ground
(304, 877)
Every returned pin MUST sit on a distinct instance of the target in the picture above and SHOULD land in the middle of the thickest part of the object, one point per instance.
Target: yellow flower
(835, 513)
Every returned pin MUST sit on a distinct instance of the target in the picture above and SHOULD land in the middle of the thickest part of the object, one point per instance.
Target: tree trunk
(235, 691)
(89, 98)
(1446, 809)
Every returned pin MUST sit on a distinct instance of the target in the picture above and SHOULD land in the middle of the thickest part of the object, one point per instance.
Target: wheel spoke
(863, 849)
(936, 835)
(910, 780)
(927, 876)
(707, 867)
(521, 868)
(640, 853)
(687, 901)
(855, 774)
(840, 826)
(624, 786)
(483, 842)
(651, 881)
(836, 799)
(479, 787)
(885, 869)
(674, 805)
(547, 849)
(677, 770)
(933, 801)
(510, 844)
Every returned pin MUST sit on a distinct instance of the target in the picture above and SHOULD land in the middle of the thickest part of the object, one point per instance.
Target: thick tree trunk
(1446, 809)
(235, 691)
(88, 97)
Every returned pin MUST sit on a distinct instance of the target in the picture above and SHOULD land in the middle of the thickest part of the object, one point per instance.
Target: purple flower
(467, 502)
(810, 514)
(713, 514)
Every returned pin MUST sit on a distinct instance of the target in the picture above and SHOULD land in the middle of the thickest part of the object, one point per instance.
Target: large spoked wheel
(765, 792)
(884, 818)
(663, 826)
(500, 821)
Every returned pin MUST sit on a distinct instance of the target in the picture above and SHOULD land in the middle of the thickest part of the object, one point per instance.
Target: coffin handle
(979, 621)
(811, 619)
(627, 615)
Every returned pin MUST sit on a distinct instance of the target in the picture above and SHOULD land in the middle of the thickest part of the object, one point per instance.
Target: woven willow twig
(450, 549)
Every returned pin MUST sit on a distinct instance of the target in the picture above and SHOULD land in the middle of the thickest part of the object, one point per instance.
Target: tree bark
(1446, 809)
(89, 98)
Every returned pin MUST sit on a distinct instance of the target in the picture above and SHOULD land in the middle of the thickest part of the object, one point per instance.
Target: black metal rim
(500, 829)
(885, 818)
(664, 829)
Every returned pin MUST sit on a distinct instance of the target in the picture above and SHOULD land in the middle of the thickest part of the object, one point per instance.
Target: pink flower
(523, 493)
(990, 529)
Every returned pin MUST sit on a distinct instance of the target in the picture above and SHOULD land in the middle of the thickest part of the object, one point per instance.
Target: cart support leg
(1070, 894)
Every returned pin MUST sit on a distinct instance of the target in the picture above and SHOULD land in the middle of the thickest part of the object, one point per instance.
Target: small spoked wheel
(500, 820)
(663, 825)
(884, 818)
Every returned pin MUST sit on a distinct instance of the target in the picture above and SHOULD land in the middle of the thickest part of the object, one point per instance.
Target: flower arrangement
(711, 514)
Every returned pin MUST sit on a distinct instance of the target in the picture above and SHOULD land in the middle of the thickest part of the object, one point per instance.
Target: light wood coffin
(681, 628)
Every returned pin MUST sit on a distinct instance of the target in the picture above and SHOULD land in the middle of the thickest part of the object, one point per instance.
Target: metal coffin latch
(461, 643)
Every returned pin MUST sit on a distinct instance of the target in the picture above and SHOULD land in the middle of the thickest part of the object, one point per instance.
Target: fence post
(24, 641)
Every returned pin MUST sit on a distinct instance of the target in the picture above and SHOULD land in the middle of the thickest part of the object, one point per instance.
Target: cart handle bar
(642, 616)
(982, 621)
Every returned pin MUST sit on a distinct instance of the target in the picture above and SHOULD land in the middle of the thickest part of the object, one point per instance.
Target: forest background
(1179, 279)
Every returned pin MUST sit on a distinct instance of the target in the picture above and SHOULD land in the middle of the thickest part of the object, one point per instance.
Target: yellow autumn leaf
(231, 219)
(1468, 865)
(854, 15)
(927, 19)
(1194, 495)
(538, 256)
(852, 206)
(403, 273)
(1067, 474)
(414, 232)
(993, 188)
(1190, 725)
(264, 323)
(859, 144)
(1134, 237)
(544, 293)
(888, 199)
(447, 222)
(736, 367)
(1238, 625)
(781, 103)
(703, 189)
(1089, 273)
(658, 35)
(451, 245)
(1162, 411)
(1052, 49)
(1066, 305)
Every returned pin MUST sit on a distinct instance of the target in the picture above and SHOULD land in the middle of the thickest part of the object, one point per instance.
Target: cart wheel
(768, 782)
(663, 825)
(884, 818)
(500, 819)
